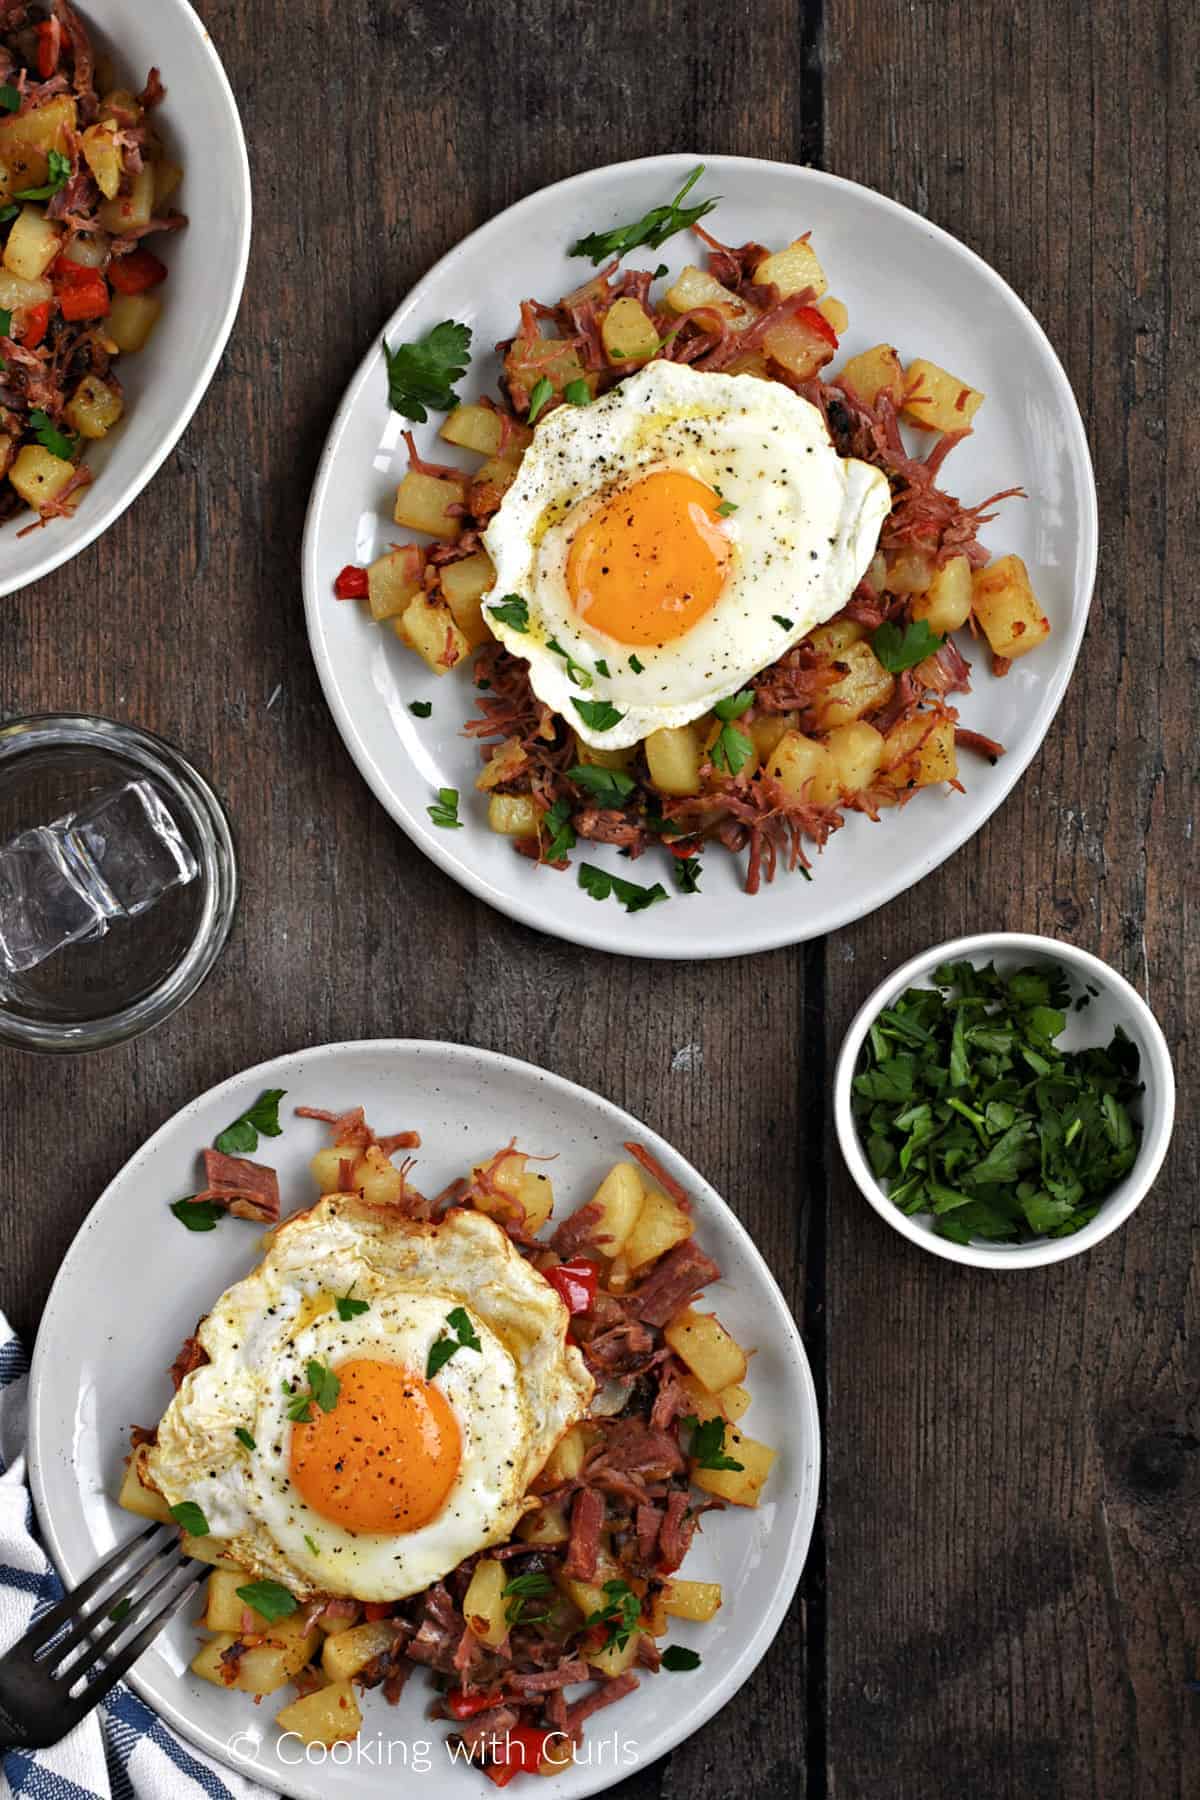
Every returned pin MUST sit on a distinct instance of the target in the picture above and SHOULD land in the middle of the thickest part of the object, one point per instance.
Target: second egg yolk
(387, 1455)
(651, 561)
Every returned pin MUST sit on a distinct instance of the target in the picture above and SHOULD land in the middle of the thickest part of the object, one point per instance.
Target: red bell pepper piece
(85, 299)
(816, 321)
(49, 47)
(37, 318)
(351, 584)
(461, 1705)
(135, 273)
(521, 1753)
(576, 1282)
(65, 273)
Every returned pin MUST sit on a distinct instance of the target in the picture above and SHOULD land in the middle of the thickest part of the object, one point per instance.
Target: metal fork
(54, 1676)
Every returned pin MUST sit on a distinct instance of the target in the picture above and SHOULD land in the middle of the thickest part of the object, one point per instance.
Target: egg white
(512, 1399)
(805, 525)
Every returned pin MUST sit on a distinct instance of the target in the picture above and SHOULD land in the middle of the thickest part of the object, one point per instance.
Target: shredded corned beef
(679, 1276)
(192, 1355)
(247, 1189)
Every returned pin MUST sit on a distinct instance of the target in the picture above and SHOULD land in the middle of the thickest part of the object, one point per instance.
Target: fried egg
(671, 540)
(407, 1472)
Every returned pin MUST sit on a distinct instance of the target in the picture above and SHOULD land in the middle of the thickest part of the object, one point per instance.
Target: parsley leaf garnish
(726, 508)
(57, 442)
(899, 650)
(348, 1308)
(707, 1448)
(541, 391)
(969, 1111)
(323, 1389)
(557, 821)
(601, 715)
(732, 749)
(59, 167)
(578, 393)
(677, 1658)
(687, 871)
(269, 1599)
(122, 1609)
(512, 611)
(444, 811)
(787, 624)
(245, 1439)
(191, 1517)
(522, 1588)
(422, 374)
(444, 1348)
(734, 705)
(197, 1215)
(636, 665)
(652, 229)
(5, 322)
(575, 671)
(600, 884)
(420, 709)
(609, 787)
(602, 667)
(10, 97)
(240, 1138)
(619, 1615)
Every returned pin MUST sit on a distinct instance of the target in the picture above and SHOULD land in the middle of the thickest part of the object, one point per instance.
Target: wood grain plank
(1011, 1520)
(420, 121)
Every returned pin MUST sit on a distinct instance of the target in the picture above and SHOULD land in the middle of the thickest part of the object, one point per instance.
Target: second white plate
(906, 283)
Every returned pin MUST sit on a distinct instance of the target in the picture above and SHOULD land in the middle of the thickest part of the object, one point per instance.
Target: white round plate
(906, 283)
(135, 1281)
(165, 382)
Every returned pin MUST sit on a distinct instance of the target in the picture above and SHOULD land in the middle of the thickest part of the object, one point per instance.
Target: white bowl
(1116, 1004)
(165, 382)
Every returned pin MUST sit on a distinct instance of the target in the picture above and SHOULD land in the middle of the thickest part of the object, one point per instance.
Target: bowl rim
(1157, 1073)
(95, 521)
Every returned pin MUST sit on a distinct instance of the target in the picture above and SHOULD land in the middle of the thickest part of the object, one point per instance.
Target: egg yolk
(387, 1455)
(651, 561)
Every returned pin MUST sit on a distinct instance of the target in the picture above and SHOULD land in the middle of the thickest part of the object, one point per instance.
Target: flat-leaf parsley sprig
(421, 375)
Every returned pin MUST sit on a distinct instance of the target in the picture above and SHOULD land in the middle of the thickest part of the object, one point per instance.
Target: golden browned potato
(33, 243)
(38, 476)
(835, 313)
(131, 320)
(1007, 608)
(143, 1501)
(872, 373)
(428, 626)
(798, 346)
(865, 685)
(567, 1457)
(225, 1609)
(937, 400)
(767, 729)
(95, 407)
(102, 154)
(548, 1525)
(696, 1600)
(464, 585)
(26, 140)
(480, 428)
(831, 640)
(702, 1342)
(331, 1715)
(167, 177)
(673, 758)
(792, 270)
(909, 571)
(484, 1605)
(619, 1198)
(514, 815)
(743, 1486)
(602, 758)
(422, 500)
(855, 752)
(660, 1225)
(346, 1653)
(628, 332)
(393, 579)
(803, 768)
(694, 287)
(132, 211)
(946, 603)
(917, 755)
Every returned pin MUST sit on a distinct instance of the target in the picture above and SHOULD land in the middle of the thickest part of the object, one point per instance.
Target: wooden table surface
(1001, 1599)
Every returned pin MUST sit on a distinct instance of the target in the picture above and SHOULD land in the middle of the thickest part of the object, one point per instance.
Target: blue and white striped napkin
(123, 1751)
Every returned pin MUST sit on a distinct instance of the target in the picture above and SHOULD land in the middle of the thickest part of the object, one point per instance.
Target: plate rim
(803, 1391)
(107, 515)
(620, 937)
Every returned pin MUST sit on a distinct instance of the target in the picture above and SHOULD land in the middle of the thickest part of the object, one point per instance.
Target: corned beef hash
(707, 590)
(419, 1432)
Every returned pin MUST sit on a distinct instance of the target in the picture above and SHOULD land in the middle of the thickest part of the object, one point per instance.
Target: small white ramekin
(1116, 1004)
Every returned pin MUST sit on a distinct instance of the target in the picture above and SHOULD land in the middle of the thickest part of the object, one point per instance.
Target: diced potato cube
(224, 1608)
(1006, 606)
(750, 362)
(864, 686)
(937, 400)
(917, 754)
(835, 313)
(803, 768)
(615, 1660)
(131, 319)
(792, 270)
(619, 1197)
(33, 243)
(421, 503)
(143, 1501)
(331, 1715)
(38, 476)
(693, 287)
(102, 154)
(767, 729)
(567, 1457)
(587, 1596)
(673, 758)
(628, 331)
(537, 1198)
(210, 1550)
(393, 579)
(94, 408)
(427, 626)
(831, 640)
(484, 1604)
(946, 603)
(167, 177)
(660, 1225)
(602, 758)
(697, 1600)
(207, 1661)
(346, 1653)
(855, 751)
(377, 1178)
(132, 211)
(265, 1667)
(702, 1342)
(26, 140)
(514, 815)
(16, 296)
(743, 1486)
(118, 103)
(872, 373)
(798, 346)
(333, 1625)
(464, 585)
(734, 1401)
(729, 1404)
(326, 1166)
(909, 571)
(548, 1525)
(481, 428)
